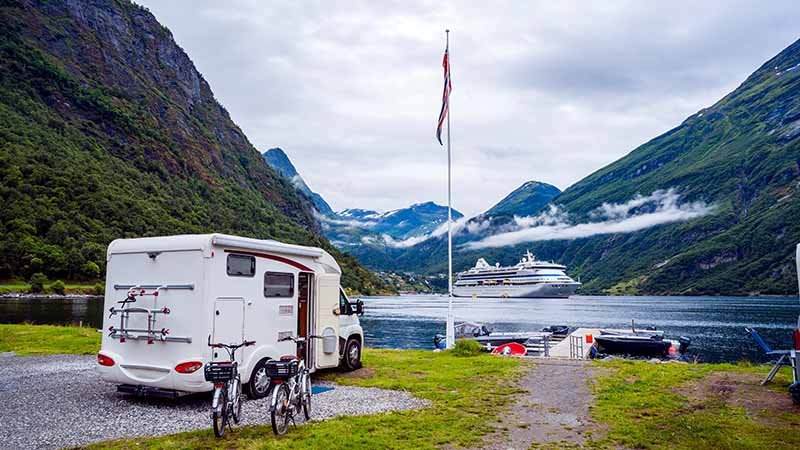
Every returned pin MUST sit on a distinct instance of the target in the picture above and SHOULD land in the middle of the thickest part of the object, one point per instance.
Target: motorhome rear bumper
(158, 378)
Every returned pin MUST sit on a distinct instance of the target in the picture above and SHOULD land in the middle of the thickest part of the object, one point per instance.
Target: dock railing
(576, 346)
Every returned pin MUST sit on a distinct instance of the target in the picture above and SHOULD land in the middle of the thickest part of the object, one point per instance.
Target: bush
(37, 282)
(467, 347)
(57, 287)
(99, 289)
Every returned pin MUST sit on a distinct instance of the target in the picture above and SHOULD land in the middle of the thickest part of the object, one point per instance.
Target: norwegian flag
(448, 86)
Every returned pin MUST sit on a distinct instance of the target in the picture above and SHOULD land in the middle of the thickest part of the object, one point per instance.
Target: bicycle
(227, 402)
(291, 390)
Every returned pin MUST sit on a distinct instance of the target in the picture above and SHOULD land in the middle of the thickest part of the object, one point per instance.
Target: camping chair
(787, 357)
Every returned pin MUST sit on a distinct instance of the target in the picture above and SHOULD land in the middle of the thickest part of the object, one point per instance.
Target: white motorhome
(166, 297)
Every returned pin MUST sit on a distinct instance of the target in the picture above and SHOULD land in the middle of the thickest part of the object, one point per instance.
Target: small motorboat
(490, 339)
(510, 349)
(557, 330)
(632, 344)
(640, 344)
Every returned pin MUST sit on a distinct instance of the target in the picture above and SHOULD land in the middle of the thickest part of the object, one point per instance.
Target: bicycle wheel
(237, 401)
(280, 413)
(305, 395)
(220, 416)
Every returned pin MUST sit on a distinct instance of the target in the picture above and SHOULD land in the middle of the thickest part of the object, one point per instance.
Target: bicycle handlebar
(229, 346)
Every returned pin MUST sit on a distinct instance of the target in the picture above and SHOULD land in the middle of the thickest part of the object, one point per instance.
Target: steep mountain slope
(107, 130)
(710, 207)
(526, 200)
(277, 159)
(741, 155)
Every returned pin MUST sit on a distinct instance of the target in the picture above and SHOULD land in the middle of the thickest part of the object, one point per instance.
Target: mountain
(709, 207)
(277, 159)
(373, 236)
(527, 200)
(357, 227)
(416, 220)
(108, 130)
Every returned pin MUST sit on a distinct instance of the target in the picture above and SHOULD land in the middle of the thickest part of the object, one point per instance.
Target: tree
(37, 282)
(36, 264)
(90, 270)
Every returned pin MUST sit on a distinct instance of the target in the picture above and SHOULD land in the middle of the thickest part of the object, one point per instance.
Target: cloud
(550, 91)
(619, 218)
(460, 226)
(325, 220)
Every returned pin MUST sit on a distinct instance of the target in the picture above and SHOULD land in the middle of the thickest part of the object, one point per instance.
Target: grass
(36, 340)
(644, 407)
(637, 404)
(463, 392)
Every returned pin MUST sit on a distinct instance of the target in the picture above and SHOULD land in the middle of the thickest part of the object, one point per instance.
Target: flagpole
(450, 333)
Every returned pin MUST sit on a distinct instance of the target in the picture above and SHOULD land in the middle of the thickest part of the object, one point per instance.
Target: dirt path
(553, 413)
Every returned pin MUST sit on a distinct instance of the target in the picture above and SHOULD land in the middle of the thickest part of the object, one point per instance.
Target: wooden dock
(569, 347)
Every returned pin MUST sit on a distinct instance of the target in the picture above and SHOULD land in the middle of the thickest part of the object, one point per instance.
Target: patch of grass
(35, 340)
(644, 407)
(463, 393)
(83, 289)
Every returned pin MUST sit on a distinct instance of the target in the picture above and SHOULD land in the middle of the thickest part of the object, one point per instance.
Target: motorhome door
(228, 324)
(305, 297)
(326, 321)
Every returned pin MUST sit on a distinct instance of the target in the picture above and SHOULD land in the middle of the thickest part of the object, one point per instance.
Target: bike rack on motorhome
(123, 332)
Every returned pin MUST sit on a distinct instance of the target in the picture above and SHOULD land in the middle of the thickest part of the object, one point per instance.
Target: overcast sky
(547, 91)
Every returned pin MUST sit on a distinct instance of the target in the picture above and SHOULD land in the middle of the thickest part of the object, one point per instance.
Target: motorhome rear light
(188, 367)
(104, 360)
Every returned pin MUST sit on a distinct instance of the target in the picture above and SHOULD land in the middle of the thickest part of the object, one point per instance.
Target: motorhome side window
(278, 284)
(241, 265)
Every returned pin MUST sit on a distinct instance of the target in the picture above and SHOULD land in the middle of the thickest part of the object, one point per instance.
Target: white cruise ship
(529, 278)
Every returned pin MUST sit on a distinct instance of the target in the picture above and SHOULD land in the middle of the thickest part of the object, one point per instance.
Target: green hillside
(741, 157)
(107, 130)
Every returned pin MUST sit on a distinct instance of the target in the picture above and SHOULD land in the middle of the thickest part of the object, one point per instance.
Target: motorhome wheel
(352, 354)
(258, 387)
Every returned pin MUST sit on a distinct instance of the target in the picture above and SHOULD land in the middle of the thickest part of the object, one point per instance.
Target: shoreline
(26, 296)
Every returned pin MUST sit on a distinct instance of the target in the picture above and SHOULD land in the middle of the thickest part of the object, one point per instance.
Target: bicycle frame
(227, 393)
(295, 384)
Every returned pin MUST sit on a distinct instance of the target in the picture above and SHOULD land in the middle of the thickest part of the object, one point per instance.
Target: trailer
(168, 297)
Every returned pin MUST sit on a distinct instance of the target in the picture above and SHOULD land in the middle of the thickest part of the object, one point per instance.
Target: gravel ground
(59, 401)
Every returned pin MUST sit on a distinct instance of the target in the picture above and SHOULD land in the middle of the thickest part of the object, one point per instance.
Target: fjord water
(714, 324)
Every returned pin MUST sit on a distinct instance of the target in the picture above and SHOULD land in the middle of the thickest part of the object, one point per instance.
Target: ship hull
(539, 290)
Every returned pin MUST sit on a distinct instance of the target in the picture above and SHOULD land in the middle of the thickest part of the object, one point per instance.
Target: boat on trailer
(639, 342)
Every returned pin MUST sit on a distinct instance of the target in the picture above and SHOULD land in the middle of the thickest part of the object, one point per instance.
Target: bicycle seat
(289, 358)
